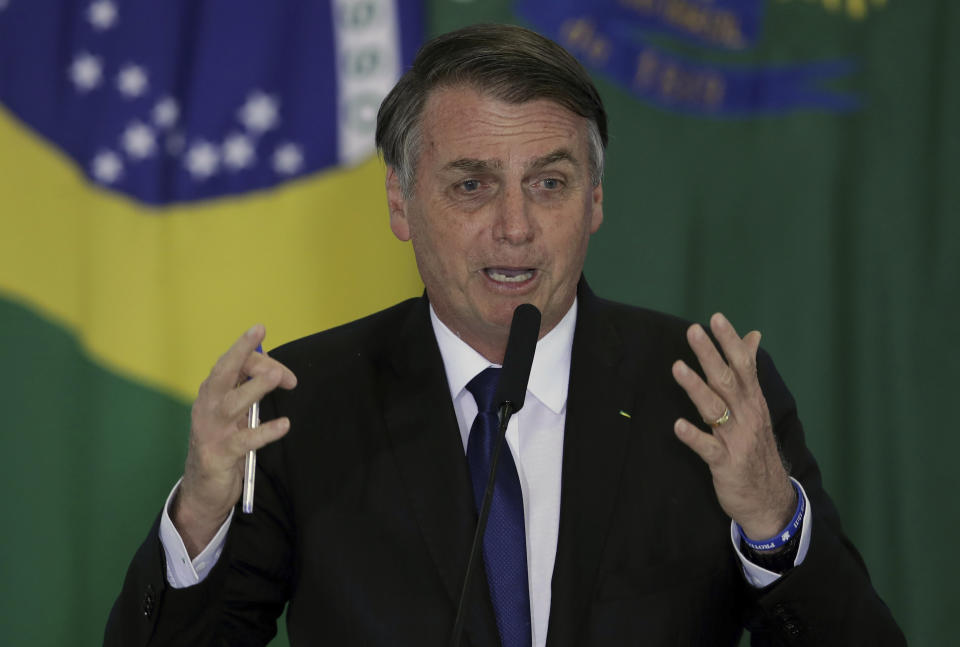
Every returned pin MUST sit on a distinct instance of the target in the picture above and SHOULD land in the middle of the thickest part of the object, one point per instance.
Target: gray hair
(509, 63)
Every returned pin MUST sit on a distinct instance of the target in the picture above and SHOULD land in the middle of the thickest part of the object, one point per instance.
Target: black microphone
(518, 357)
(511, 392)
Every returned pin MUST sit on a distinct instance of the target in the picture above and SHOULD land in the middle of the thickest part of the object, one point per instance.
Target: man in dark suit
(366, 508)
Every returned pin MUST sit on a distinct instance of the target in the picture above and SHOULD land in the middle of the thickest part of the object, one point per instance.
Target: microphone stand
(505, 413)
(511, 392)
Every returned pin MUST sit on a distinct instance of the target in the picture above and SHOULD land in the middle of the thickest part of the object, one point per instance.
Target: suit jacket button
(148, 600)
(790, 624)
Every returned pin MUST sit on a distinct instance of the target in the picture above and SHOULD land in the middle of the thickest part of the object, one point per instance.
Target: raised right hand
(220, 440)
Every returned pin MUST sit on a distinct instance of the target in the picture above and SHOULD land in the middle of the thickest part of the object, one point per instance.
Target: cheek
(438, 255)
(570, 251)
(455, 240)
(573, 236)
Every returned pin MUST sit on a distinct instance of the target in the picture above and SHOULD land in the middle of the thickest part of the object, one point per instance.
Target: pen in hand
(250, 465)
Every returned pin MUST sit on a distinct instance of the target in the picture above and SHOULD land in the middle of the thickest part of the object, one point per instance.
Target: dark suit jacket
(364, 514)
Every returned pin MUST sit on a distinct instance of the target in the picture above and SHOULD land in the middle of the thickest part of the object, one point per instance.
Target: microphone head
(518, 358)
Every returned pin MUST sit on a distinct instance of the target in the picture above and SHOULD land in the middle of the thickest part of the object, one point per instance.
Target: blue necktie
(504, 542)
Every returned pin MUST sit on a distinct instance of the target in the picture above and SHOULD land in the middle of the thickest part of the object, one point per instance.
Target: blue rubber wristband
(792, 528)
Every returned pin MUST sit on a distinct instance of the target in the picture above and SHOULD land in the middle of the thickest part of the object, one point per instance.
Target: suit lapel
(422, 427)
(595, 437)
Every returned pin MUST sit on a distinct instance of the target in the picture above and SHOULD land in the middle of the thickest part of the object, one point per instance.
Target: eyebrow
(559, 155)
(473, 165)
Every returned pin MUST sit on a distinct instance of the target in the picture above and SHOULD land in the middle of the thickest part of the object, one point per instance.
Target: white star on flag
(107, 167)
(132, 81)
(237, 151)
(166, 112)
(260, 112)
(367, 113)
(202, 160)
(287, 159)
(139, 140)
(102, 14)
(86, 71)
(785, 536)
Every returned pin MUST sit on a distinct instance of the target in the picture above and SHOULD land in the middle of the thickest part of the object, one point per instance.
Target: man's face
(501, 212)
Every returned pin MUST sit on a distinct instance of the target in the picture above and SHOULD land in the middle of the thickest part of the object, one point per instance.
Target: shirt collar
(549, 375)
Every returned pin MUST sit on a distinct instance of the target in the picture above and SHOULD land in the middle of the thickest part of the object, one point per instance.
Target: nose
(514, 223)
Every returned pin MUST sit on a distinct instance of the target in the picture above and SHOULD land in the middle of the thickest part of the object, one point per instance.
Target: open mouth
(507, 275)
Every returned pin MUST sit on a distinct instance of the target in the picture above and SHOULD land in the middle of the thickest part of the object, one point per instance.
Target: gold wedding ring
(722, 419)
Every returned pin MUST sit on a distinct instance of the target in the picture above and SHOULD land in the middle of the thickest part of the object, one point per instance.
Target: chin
(502, 313)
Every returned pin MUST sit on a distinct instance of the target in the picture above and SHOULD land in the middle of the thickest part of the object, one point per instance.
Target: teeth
(497, 275)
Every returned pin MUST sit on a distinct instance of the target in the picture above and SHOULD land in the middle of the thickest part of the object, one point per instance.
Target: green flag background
(833, 232)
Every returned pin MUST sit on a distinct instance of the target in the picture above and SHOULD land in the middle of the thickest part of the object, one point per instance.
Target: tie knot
(483, 387)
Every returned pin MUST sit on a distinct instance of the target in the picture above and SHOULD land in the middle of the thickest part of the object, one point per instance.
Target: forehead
(460, 122)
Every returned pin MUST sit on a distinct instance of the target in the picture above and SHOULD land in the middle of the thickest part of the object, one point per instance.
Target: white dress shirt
(535, 438)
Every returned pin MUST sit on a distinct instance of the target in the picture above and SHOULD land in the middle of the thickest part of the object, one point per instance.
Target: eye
(551, 184)
(471, 190)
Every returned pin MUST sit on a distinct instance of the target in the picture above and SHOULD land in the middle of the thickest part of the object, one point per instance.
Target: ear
(397, 205)
(596, 201)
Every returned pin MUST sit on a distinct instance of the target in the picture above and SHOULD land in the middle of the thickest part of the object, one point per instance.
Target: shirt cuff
(181, 571)
(760, 577)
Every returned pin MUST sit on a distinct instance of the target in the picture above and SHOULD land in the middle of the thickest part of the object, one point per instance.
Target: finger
(238, 401)
(752, 339)
(226, 372)
(247, 440)
(710, 405)
(261, 364)
(719, 375)
(707, 446)
(738, 351)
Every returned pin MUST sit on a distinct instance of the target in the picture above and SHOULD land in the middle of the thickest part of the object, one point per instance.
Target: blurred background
(171, 173)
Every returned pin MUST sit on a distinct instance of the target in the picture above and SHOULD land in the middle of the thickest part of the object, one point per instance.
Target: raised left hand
(751, 483)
